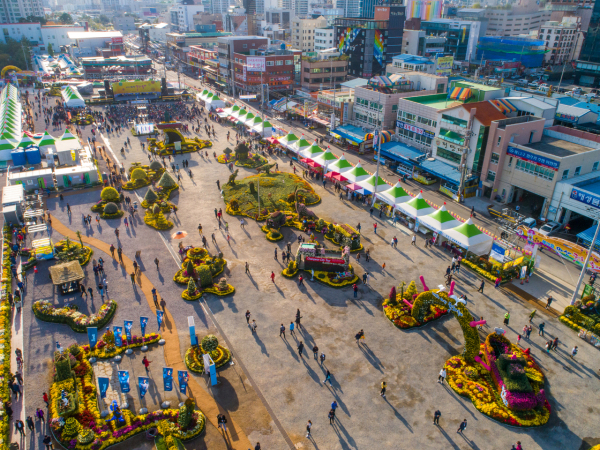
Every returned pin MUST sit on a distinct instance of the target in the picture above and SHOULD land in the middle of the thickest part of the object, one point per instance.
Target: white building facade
(303, 33)
(324, 38)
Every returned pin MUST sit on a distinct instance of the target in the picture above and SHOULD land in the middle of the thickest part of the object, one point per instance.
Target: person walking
(292, 329)
(248, 316)
(573, 352)
(554, 344)
(541, 327)
(355, 290)
(300, 281)
(331, 416)
(132, 276)
(497, 283)
(257, 446)
(327, 377)
(275, 257)
(39, 413)
(360, 335)
(436, 417)
(383, 388)
(442, 376)
(549, 302)
(20, 426)
(506, 318)
(156, 261)
(48, 442)
(375, 228)
(282, 331)
(253, 326)
(413, 240)
(222, 422)
(30, 423)
(462, 427)
(112, 250)
(315, 351)
(481, 286)
(300, 349)
(532, 315)
(298, 317)
(308, 428)
(45, 398)
(247, 267)
(146, 363)
(273, 276)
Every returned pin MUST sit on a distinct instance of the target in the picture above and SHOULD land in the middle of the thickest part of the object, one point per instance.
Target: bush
(167, 181)
(109, 194)
(209, 343)
(139, 174)
(204, 275)
(155, 166)
(111, 208)
(150, 196)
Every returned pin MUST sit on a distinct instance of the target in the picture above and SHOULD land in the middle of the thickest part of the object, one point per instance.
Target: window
(306, 69)
(595, 166)
(499, 139)
(565, 174)
(269, 63)
(531, 136)
(491, 176)
(395, 108)
(450, 156)
(306, 80)
(289, 62)
(577, 171)
(495, 158)
(279, 63)
(510, 161)
(534, 169)
(245, 46)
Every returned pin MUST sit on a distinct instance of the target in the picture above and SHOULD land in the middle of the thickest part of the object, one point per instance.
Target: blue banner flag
(103, 383)
(124, 381)
(159, 318)
(183, 381)
(168, 378)
(144, 384)
(128, 327)
(143, 322)
(92, 336)
(118, 336)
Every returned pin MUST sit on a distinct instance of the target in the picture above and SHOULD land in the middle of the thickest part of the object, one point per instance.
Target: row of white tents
(211, 99)
(254, 123)
(441, 221)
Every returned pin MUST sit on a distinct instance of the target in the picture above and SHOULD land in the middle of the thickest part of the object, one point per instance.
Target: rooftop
(436, 101)
(93, 34)
(558, 147)
(592, 185)
(414, 59)
(572, 110)
(355, 83)
(479, 87)
(485, 112)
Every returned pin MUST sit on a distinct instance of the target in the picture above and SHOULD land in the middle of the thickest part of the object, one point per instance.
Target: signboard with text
(255, 64)
(414, 129)
(136, 87)
(585, 197)
(444, 66)
(532, 158)
(322, 263)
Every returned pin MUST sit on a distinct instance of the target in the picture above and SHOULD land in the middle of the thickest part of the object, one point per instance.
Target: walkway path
(172, 350)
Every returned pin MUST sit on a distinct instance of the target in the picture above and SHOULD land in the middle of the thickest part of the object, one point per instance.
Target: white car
(549, 228)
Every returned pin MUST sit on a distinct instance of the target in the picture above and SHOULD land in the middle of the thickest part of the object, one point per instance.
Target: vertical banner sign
(92, 336)
(159, 318)
(128, 327)
(192, 325)
(168, 378)
(103, 385)
(143, 322)
(183, 381)
(118, 336)
(144, 384)
(124, 381)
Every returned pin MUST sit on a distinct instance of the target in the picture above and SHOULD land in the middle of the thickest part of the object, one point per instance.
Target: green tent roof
(442, 215)
(328, 156)
(341, 163)
(67, 136)
(235, 108)
(418, 203)
(289, 138)
(204, 92)
(468, 229)
(371, 181)
(358, 171)
(6, 144)
(25, 141)
(249, 116)
(396, 191)
(256, 120)
(267, 124)
(47, 140)
(302, 143)
(312, 150)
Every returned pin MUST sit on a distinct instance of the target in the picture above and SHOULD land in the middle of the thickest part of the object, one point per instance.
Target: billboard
(135, 87)
(444, 66)
(117, 40)
(256, 64)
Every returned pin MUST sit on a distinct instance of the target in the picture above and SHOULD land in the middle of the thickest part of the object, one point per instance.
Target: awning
(337, 136)
(588, 235)
(459, 93)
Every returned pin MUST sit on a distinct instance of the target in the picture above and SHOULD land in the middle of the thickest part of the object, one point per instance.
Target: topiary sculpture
(167, 181)
(241, 151)
(204, 275)
(109, 194)
(223, 284)
(150, 196)
(185, 413)
(392, 298)
(111, 208)
(155, 166)
(232, 177)
(192, 288)
(252, 188)
(155, 208)
(139, 174)
(189, 268)
(209, 343)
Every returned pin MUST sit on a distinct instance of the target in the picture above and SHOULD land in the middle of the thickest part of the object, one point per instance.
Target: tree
(65, 18)
(50, 50)
(14, 53)
(33, 19)
(104, 20)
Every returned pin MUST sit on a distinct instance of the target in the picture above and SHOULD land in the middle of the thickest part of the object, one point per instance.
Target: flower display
(195, 362)
(46, 311)
(399, 312)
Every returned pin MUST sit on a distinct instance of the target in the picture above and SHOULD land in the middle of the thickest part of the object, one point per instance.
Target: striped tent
(459, 93)
(503, 105)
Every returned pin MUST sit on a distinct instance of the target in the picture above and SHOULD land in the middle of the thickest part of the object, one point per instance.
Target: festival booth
(392, 196)
(438, 222)
(230, 113)
(356, 174)
(213, 101)
(299, 145)
(412, 210)
(468, 237)
(142, 129)
(249, 119)
(287, 141)
(312, 152)
(339, 167)
(265, 129)
(67, 276)
(324, 159)
(72, 98)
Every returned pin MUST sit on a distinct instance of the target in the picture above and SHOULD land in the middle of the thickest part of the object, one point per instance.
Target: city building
(474, 15)
(324, 38)
(330, 14)
(124, 24)
(563, 40)
(303, 32)
(279, 16)
(182, 17)
(58, 36)
(461, 36)
(252, 62)
(96, 43)
(210, 19)
(529, 52)
(11, 12)
(17, 31)
(412, 63)
(416, 42)
(337, 101)
(519, 20)
(117, 66)
(395, 14)
(351, 8)
(424, 9)
(179, 44)
(325, 70)
(300, 7)
(560, 11)
(237, 25)
(157, 32)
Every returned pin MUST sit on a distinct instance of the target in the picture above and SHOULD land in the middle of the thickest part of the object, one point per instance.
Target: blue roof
(442, 170)
(592, 186)
(413, 59)
(355, 83)
(587, 236)
(400, 152)
(570, 101)
(351, 132)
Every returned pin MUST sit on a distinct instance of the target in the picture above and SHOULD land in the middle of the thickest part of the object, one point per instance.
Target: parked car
(529, 222)
(550, 228)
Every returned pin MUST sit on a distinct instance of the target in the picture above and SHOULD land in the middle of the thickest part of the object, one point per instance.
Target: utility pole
(463, 161)
(379, 136)
(232, 83)
(585, 264)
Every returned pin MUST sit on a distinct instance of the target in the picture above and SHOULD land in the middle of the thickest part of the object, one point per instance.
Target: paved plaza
(269, 392)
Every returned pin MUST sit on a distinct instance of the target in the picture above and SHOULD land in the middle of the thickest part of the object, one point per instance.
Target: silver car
(550, 228)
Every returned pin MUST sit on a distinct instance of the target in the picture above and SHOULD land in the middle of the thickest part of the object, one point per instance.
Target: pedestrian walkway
(18, 406)
(110, 370)
(172, 348)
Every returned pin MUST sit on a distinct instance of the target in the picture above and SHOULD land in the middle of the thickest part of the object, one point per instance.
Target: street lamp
(587, 258)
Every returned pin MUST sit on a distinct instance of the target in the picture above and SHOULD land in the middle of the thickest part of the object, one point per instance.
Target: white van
(522, 82)
(543, 89)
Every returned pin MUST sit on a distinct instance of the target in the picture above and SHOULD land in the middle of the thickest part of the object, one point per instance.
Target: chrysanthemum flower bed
(46, 311)
(195, 362)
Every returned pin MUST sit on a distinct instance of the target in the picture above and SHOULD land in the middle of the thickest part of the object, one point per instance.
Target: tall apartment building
(303, 32)
(563, 40)
(461, 36)
(416, 42)
(182, 17)
(351, 7)
(12, 11)
(325, 71)
(516, 21)
(324, 38)
(365, 43)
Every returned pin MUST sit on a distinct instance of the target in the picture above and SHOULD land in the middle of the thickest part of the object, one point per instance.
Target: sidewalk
(18, 406)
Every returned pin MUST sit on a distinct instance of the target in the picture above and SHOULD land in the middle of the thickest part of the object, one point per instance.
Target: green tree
(33, 19)
(65, 18)
(104, 20)
(50, 50)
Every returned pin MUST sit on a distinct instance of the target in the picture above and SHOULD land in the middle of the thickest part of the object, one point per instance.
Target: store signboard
(414, 129)
(533, 158)
(256, 64)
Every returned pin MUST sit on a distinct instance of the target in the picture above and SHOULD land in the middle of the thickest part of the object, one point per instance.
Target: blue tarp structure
(444, 171)
(587, 236)
(400, 152)
(350, 132)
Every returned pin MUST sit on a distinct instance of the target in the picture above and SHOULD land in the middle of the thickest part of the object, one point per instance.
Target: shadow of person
(258, 340)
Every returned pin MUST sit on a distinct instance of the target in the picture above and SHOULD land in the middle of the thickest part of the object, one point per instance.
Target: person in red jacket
(146, 363)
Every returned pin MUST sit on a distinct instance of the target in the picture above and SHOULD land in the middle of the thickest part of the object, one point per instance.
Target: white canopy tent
(265, 129)
(417, 207)
(394, 195)
(357, 174)
(72, 98)
(440, 220)
(340, 166)
(469, 237)
(299, 145)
